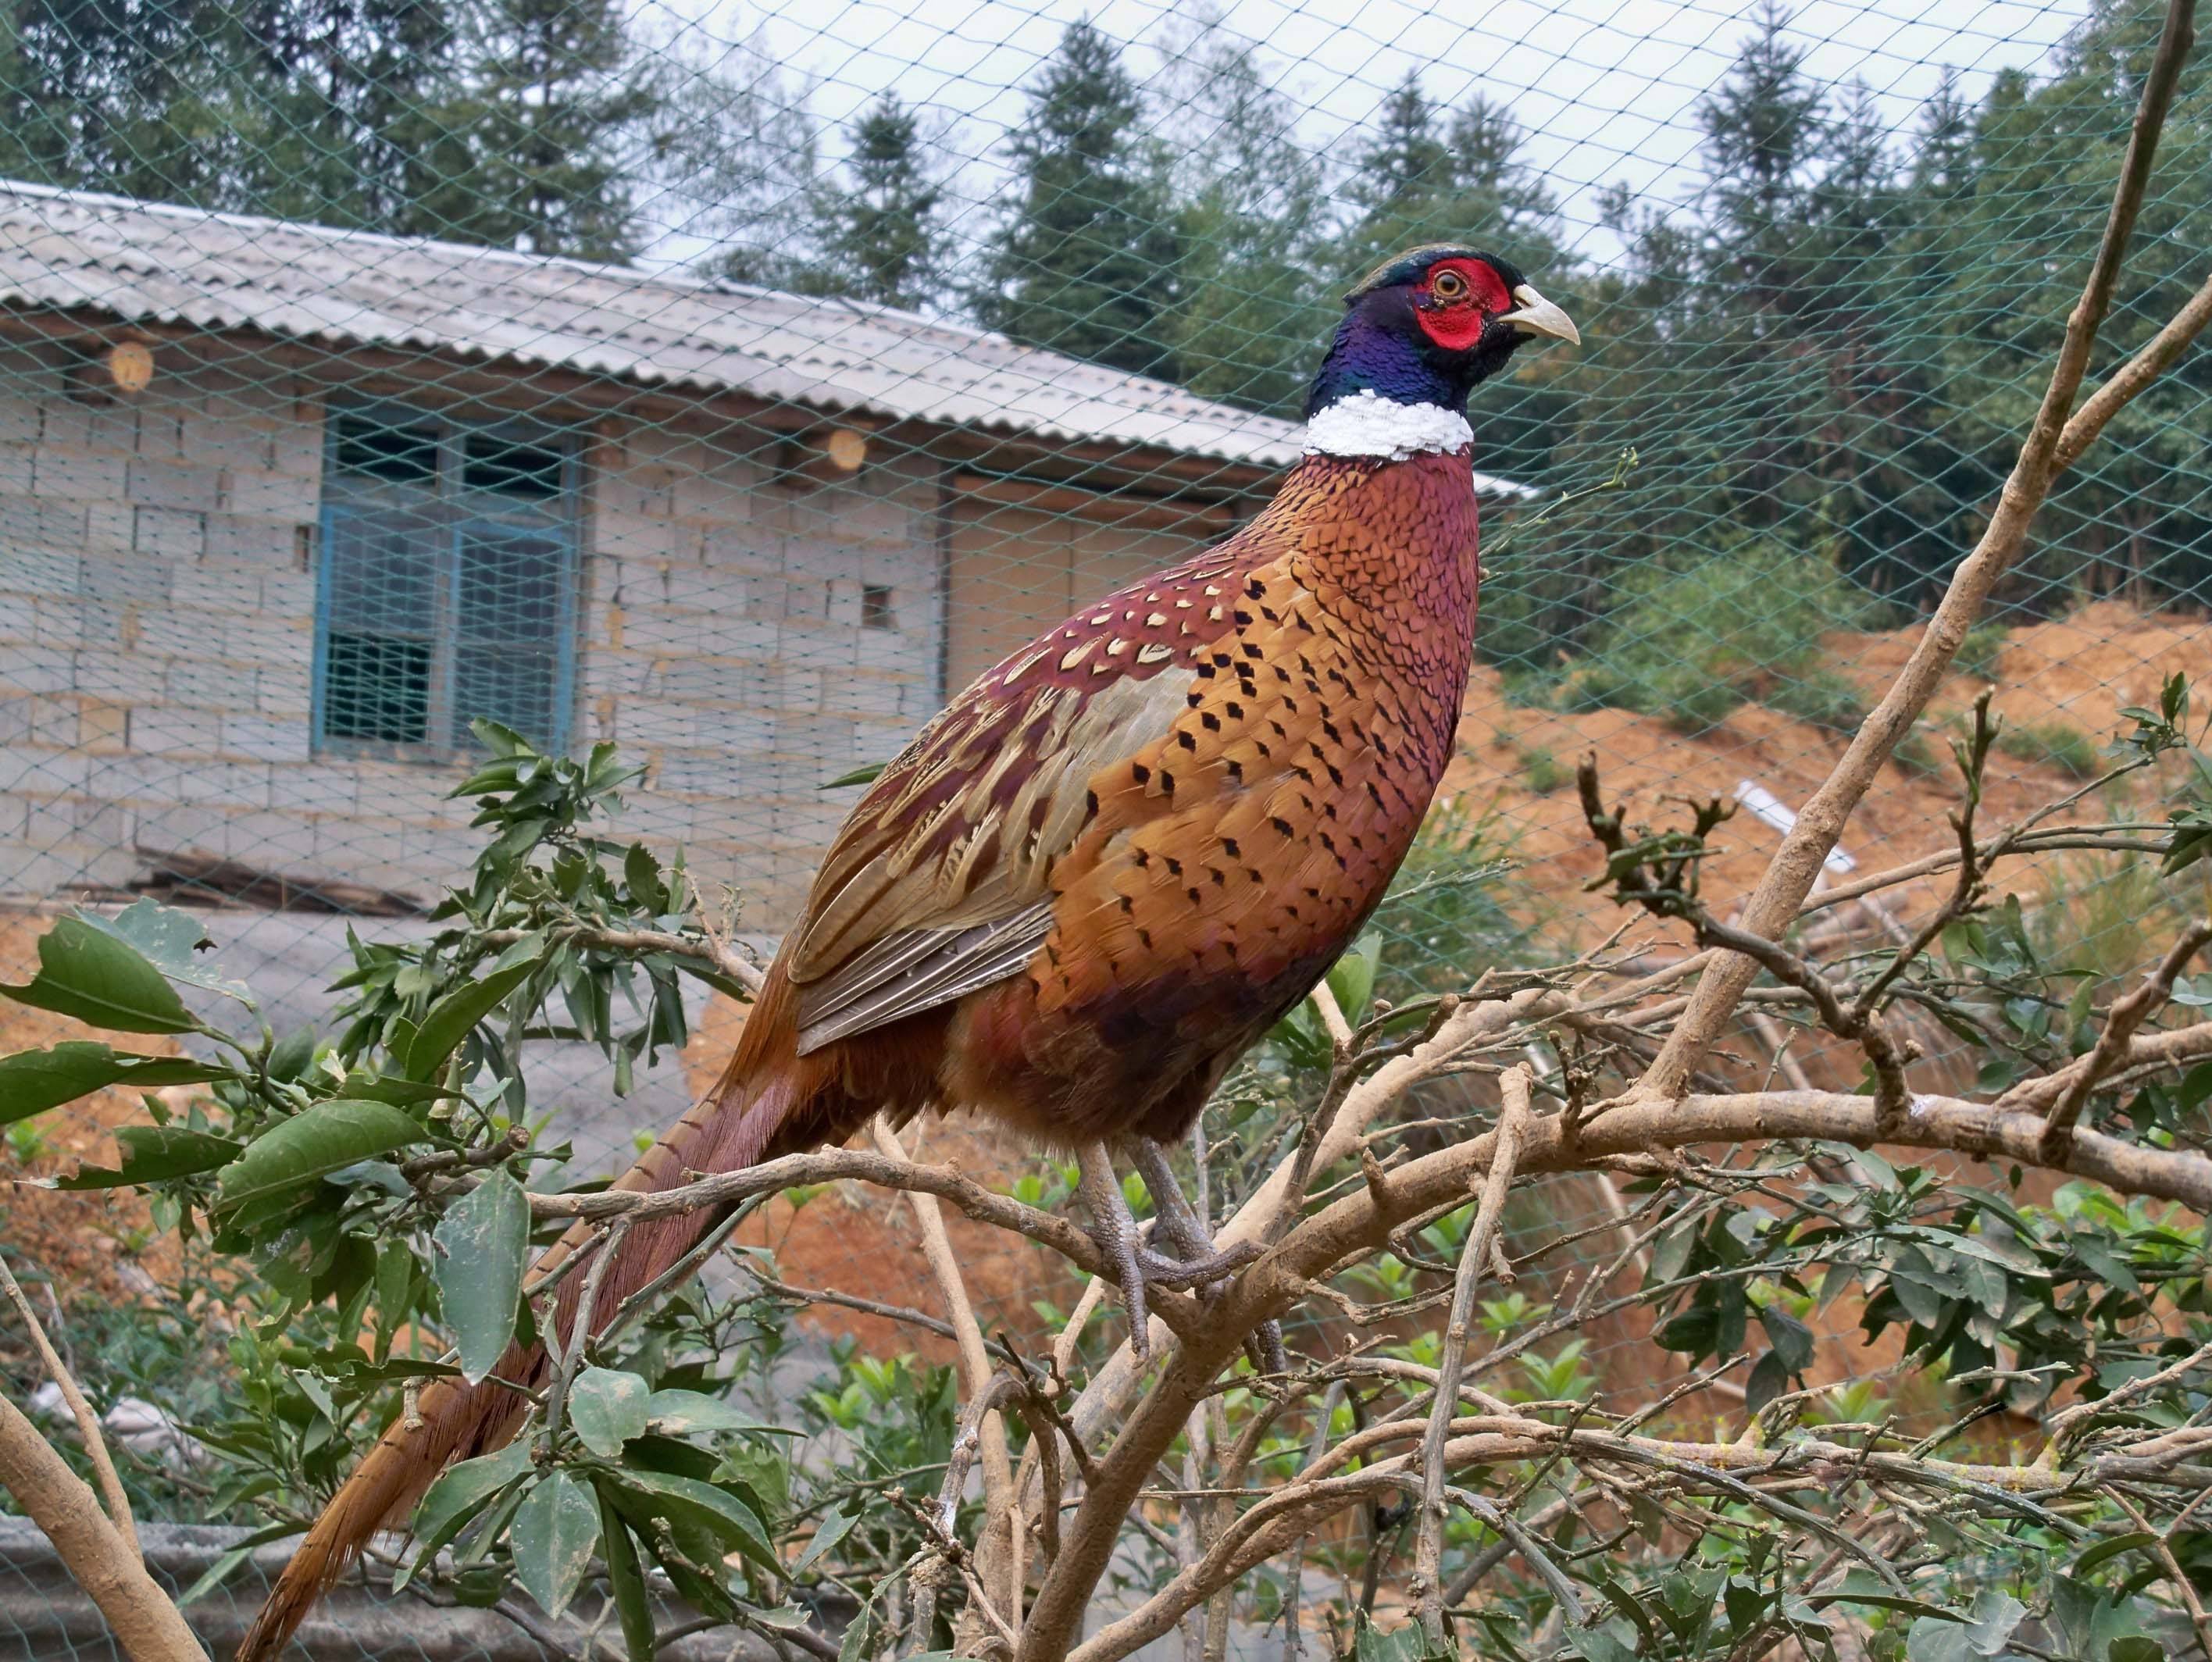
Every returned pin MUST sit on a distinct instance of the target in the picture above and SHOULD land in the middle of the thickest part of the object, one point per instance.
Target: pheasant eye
(1448, 286)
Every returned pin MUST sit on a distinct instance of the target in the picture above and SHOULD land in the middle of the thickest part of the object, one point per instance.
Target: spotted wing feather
(939, 883)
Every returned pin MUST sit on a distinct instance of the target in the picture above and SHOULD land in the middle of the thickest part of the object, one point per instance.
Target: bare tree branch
(1428, 1583)
(1002, 1525)
(146, 1621)
(87, 1422)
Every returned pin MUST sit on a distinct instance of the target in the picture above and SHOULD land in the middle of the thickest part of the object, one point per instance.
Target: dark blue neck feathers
(1369, 356)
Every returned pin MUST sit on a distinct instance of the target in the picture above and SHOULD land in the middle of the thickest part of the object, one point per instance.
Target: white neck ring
(1368, 424)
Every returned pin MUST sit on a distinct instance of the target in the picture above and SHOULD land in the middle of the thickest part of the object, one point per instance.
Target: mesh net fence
(737, 383)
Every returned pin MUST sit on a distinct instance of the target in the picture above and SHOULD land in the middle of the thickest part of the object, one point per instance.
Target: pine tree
(338, 119)
(123, 95)
(1763, 126)
(1085, 263)
(534, 142)
(1398, 176)
(880, 235)
(1421, 177)
(1251, 220)
(735, 162)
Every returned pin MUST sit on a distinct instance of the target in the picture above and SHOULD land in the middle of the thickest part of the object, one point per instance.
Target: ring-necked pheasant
(1106, 868)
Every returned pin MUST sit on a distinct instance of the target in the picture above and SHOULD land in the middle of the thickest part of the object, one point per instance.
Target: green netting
(734, 384)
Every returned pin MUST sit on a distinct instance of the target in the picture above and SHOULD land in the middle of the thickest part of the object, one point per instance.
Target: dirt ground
(2074, 673)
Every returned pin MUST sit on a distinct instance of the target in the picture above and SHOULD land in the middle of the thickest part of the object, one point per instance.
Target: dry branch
(1428, 1584)
(145, 1620)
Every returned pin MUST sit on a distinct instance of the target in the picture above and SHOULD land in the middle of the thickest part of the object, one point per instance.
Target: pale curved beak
(1538, 316)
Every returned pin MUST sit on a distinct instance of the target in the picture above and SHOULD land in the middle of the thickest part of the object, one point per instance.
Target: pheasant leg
(1186, 1231)
(1115, 1231)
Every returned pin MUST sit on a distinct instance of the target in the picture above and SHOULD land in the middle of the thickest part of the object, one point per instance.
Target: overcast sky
(1607, 89)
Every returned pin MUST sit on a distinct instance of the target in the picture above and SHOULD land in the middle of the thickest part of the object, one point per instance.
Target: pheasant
(1108, 866)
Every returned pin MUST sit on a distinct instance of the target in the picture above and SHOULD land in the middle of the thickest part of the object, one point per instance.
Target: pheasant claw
(1201, 1261)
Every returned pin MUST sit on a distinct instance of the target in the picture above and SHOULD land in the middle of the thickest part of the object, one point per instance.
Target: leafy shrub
(1540, 771)
(1694, 644)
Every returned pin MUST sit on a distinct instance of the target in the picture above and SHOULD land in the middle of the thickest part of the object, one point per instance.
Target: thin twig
(567, 1358)
(2127, 1015)
(1002, 1523)
(703, 949)
(1428, 1586)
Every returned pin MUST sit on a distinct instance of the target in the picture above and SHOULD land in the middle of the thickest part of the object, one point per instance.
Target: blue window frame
(448, 583)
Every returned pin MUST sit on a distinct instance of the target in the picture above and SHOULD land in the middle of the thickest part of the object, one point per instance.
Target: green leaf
(482, 1249)
(2112, 1548)
(626, 1581)
(608, 1408)
(171, 940)
(454, 1017)
(854, 1645)
(832, 1530)
(688, 1503)
(1769, 1380)
(1352, 978)
(459, 1495)
(555, 1532)
(680, 1413)
(33, 1081)
(289, 1056)
(1792, 1339)
(325, 1139)
(155, 1154)
(866, 773)
(1612, 1641)
(106, 983)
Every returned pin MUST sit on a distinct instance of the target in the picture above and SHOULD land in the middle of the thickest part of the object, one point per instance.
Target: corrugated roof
(153, 264)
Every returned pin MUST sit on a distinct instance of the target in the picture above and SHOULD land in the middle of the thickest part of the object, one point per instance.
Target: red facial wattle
(1453, 320)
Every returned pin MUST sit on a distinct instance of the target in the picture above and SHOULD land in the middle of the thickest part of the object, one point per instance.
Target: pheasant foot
(1180, 1222)
(1114, 1229)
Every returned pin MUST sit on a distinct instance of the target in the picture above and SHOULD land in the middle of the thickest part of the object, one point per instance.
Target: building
(282, 507)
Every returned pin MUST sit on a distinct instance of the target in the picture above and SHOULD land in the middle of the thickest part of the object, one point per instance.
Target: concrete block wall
(157, 592)
(156, 613)
(734, 646)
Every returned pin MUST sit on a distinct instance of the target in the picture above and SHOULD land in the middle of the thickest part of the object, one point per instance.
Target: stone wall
(157, 593)
(746, 633)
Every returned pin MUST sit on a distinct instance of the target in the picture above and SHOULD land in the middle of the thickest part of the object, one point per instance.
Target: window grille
(448, 583)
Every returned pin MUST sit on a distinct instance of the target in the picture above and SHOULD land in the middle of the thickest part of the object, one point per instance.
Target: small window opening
(374, 449)
(876, 607)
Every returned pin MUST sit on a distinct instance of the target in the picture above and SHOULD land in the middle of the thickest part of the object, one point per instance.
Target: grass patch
(1820, 697)
(2111, 921)
(2052, 744)
(1691, 646)
(1916, 758)
(1540, 771)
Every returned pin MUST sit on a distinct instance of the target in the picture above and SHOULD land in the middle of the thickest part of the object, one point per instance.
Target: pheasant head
(1422, 330)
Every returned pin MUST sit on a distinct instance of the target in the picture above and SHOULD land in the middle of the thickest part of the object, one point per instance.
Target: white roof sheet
(154, 264)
